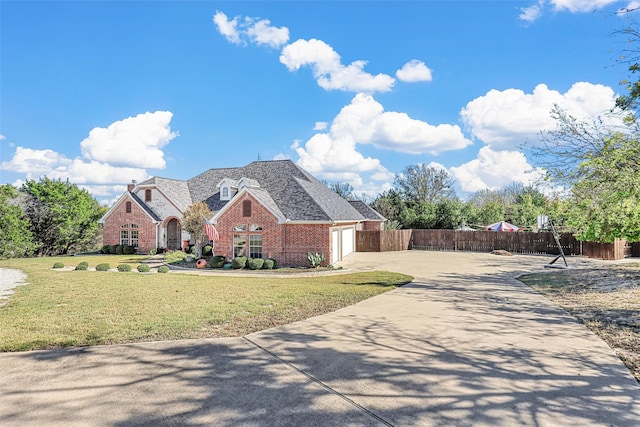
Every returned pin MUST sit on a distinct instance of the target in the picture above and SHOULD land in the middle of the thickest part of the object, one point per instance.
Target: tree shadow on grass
(485, 351)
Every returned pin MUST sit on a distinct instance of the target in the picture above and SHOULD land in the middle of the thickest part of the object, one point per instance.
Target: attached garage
(342, 243)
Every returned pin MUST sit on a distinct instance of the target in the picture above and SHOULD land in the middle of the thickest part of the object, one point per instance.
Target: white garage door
(348, 241)
(335, 246)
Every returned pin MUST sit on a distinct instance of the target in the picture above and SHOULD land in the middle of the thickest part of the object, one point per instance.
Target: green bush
(255, 263)
(103, 267)
(122, 268)
(269, 264)
(239, 262)
(207, 250)
(119, 249)
(82, 266)
(315, 259)
(106, 249)
(128, 250)
(217, 261)
(160, 250)
(189, 249)
(143, 268)
(112, 249)
(58, 265)
(163, 269)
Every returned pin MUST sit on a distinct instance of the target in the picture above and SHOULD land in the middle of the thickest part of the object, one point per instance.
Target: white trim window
(129, 235)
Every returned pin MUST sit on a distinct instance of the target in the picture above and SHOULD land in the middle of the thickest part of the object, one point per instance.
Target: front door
(173, 234)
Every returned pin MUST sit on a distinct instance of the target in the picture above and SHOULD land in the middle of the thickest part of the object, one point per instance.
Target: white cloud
(257, 31)
(365, 122)
(632, 6)
(281, 156)
(94, 172)
(532, 12)
(333, 155)
(580, 5)
(505, 118)
(320, 126)
(104, 190)
(261, 32)
(2, 137)
(328, 69)
(135, 141)
(34, 162)
(414, 71)
(494, 169)
(228, 28)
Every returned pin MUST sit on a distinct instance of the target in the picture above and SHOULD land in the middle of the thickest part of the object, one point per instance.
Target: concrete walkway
(465, 344)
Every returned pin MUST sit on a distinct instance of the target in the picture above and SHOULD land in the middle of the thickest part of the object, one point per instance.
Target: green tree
(193, 223)
(425, 183)
(61, 215)
(606, 196)
(389, 204)
(600, 167)
(15, 236)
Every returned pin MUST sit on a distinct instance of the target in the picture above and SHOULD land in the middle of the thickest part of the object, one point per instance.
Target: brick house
(266, 209)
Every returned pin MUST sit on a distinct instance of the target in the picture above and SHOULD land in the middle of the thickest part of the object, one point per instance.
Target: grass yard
(606, 300)
(79, 308)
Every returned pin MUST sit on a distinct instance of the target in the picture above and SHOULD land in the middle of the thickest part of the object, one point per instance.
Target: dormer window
(224, 193)
(228, 188)
(147, 195)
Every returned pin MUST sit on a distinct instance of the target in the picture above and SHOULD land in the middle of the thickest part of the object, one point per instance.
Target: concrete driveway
(464, 344)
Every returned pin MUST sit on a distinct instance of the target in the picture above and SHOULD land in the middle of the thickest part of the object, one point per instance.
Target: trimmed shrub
(112, 249)
(143, 268)
(255, 263)
(122, 268)
(128, 250)
(119, 249)
(269, 264)
(103, 267)
(239, 262)
(106, 249)
(189, 249)
(207, 250)
(163, 269)
(58, 265)
(82, 266)
(217, 261)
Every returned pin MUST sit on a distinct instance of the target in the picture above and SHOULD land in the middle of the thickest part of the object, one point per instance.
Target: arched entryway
(174, 233)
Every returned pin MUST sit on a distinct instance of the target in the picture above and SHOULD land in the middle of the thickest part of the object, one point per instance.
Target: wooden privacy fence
(473, 241)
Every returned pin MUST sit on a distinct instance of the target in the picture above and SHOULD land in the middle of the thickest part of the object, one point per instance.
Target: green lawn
(78, 308)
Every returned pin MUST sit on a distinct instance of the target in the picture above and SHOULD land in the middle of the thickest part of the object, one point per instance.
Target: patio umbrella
(503, 226)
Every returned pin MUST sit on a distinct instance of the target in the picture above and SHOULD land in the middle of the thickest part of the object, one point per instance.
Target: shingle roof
(177, 191)
(297, 194)
(366, 211)
(144, 206)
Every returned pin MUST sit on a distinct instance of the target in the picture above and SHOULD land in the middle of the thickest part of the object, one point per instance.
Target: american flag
(211, 231)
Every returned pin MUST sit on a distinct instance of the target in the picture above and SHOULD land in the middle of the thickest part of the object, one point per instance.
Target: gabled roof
(297, 194)
(175, 190)
(261, 196)
(137, 201)
(366, 211)
(287, 190)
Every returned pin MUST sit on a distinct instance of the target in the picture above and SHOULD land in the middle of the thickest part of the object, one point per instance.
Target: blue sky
(101, 93)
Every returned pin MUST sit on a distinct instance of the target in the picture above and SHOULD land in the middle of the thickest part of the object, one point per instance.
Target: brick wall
(303, 238)
(272, 232)
(288, 244)
(119, 216)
